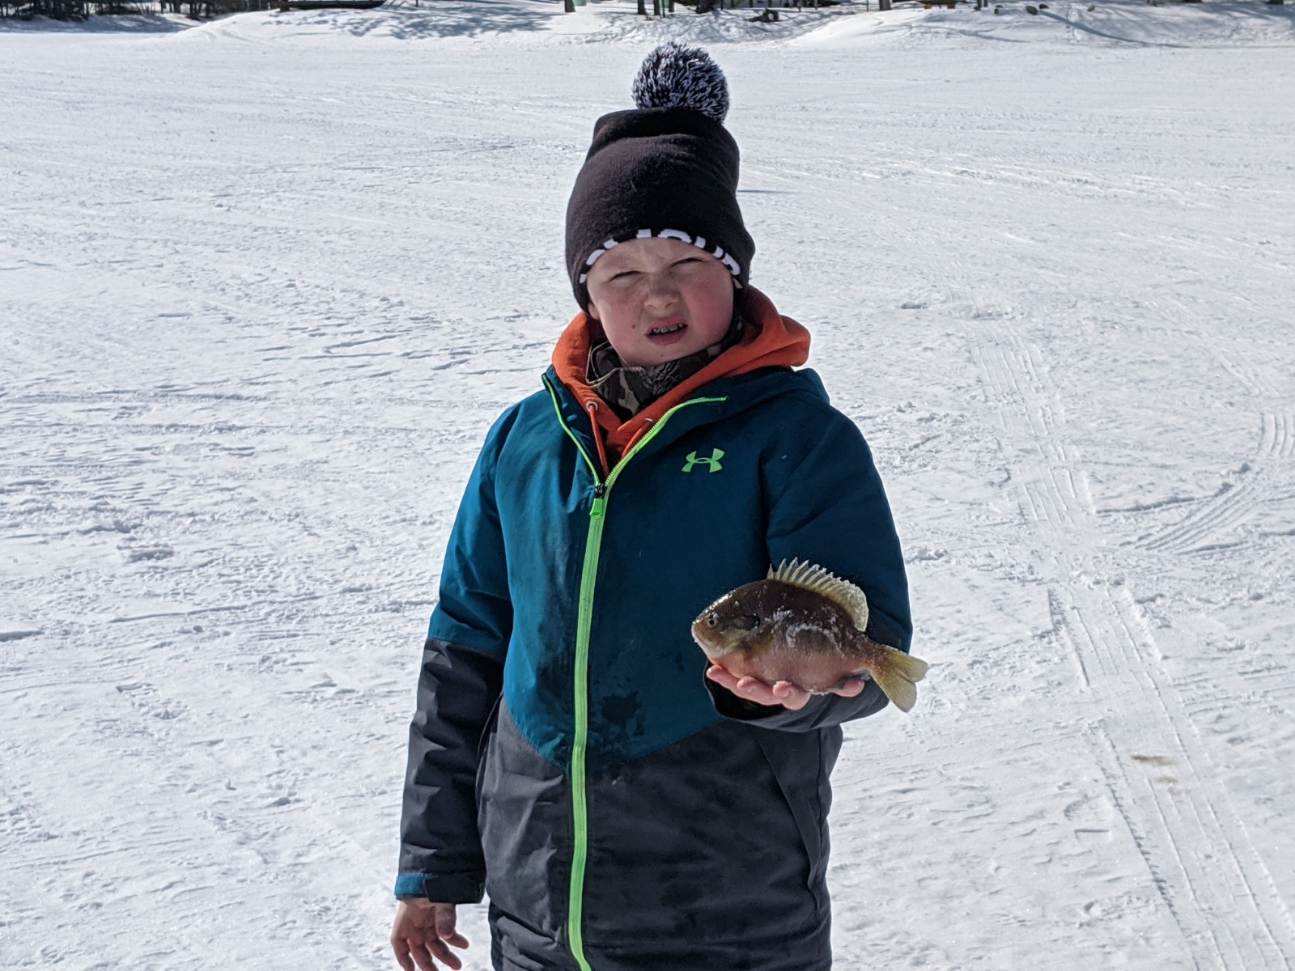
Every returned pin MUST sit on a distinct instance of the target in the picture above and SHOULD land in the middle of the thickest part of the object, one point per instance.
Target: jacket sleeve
(460, 678)
(828, 506)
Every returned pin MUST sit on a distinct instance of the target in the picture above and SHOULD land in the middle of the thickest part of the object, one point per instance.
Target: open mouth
(664, 331)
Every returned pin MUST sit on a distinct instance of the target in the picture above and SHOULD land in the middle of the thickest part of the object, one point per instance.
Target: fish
(804, 625)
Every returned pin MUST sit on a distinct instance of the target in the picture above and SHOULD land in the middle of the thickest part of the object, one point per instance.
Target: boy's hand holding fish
(799, 632)
(785, 693)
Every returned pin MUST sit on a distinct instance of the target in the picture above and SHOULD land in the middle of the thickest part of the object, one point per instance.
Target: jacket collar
(776, 340)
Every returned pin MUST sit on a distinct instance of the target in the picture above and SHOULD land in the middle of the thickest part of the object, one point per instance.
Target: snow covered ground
(264, 283)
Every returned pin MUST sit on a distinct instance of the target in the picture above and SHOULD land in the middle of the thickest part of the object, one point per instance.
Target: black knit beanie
(667, 168)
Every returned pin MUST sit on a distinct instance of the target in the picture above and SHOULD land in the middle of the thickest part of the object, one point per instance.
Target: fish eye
(712, 620)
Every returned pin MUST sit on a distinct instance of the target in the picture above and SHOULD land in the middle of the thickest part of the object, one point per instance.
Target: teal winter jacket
(568, 756)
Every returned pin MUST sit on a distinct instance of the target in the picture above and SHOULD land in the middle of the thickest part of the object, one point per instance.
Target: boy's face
(642, 285)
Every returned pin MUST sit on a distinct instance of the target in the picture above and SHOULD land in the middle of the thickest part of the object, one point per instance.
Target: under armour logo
(715, 455)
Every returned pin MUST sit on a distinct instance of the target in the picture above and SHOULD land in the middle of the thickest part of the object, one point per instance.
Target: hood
(776, 340)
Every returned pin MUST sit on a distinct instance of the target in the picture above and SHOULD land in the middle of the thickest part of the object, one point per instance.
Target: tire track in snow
(1197, 852)
(1251, 380)
(1232, 505)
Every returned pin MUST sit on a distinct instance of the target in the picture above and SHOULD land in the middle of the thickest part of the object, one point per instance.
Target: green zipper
(584, 622)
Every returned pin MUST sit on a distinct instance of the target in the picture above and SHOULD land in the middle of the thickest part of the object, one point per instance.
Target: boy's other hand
(783, 693)
(420, 933)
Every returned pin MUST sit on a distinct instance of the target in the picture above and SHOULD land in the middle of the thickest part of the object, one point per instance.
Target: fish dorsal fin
(808, 576)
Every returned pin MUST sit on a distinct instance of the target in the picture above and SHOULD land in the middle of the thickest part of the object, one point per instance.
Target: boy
(626, 805)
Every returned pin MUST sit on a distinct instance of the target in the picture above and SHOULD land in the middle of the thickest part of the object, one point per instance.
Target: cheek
(617, 316)
(621, 302)
(606, 307)
(710, 302)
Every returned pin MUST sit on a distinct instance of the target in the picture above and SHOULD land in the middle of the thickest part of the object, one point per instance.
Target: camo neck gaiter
(629, 388)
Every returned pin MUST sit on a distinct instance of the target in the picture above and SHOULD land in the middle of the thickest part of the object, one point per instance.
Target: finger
(721, 676)
(401, 950)
(851, 688)
(418, 951)
(441, 951)
(791, 695)
(445, 919)
(756, 690)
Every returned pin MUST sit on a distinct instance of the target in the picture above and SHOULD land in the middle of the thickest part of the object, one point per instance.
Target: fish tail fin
(896, 673)
(912, 668)
(898, 689)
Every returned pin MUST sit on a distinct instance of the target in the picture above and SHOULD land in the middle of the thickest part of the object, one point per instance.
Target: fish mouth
(707, 644)
(696, 631)
(713, 647)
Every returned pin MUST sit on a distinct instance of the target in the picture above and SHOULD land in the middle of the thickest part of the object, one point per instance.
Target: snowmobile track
(1233, 504)
(1158, 775)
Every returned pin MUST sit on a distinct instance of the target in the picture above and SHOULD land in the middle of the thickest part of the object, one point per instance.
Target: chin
(659, 355)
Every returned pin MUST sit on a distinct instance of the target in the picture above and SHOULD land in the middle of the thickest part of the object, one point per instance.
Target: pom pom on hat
(675, 76)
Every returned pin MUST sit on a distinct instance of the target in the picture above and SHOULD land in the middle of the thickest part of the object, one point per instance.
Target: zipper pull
(600, 490)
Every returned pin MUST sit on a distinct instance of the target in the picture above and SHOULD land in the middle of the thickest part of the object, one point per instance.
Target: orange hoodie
(777, 340)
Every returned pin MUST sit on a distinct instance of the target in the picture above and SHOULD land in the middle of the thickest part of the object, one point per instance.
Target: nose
(662, 290)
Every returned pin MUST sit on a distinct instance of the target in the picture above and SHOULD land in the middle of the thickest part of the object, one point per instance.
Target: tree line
(80, 9)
